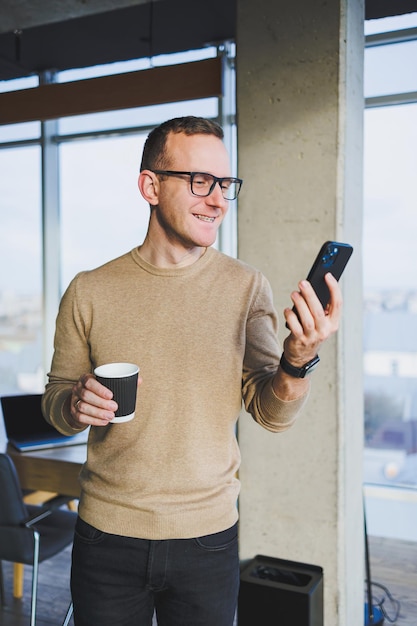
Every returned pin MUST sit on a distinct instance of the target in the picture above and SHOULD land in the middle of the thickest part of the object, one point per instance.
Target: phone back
(333, 257)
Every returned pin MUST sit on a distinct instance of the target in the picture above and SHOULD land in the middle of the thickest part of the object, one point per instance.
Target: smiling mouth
(204, 218)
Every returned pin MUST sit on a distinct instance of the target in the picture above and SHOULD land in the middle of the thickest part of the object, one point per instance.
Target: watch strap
(299, 372)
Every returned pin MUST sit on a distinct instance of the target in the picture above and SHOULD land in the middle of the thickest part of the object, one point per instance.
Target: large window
(390, 277)
(69, 201)
(21, 270)
(102, 212)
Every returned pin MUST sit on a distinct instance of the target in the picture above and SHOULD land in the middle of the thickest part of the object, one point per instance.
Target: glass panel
(390, 216)
(103, 214)
(19, 83)
(21, 274)
(400, 73)
(390, 319)
(184, 57)
(388, 24)
(18, 132)
(137, 64)
(138, 117)
(107, 69)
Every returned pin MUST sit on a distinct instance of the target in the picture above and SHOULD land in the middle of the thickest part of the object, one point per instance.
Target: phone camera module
(330, 257)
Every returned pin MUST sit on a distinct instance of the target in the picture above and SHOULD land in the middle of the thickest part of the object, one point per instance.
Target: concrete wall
(300, 109)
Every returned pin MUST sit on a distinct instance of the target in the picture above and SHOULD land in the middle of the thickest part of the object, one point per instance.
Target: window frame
(50, 101)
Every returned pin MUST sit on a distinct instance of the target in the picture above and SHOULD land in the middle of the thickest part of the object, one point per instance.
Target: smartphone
(333, 257)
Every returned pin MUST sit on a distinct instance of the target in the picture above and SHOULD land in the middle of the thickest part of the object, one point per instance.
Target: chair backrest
(16, 541)
(13, 510)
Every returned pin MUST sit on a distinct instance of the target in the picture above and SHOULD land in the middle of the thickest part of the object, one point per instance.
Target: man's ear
(148, 184)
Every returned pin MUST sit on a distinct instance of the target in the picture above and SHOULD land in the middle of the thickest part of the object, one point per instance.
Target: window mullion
(51, 257)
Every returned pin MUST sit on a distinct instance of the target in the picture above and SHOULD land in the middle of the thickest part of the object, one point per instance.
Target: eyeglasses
(202, 184)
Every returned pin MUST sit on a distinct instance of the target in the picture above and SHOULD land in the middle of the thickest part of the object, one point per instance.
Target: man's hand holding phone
(314, 317)
(332, 258)
(308, 315)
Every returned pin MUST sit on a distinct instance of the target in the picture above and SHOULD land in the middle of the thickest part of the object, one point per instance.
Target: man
(157, 526)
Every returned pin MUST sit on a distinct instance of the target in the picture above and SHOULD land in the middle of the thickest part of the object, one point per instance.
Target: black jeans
(120, 581)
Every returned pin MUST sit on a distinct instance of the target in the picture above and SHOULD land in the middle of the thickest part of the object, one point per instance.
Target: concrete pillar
(300, 111)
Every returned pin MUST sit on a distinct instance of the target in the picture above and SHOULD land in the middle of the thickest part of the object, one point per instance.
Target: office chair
(68, 615)
(30, 534)
(50, 500)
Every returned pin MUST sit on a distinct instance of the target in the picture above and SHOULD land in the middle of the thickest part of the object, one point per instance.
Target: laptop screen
(23, 417)
(27, 428)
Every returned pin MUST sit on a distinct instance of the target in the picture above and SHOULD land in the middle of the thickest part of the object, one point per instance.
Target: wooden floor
(393, 565)
(53, 593)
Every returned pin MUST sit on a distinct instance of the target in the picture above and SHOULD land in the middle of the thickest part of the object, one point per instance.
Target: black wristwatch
(299, 372)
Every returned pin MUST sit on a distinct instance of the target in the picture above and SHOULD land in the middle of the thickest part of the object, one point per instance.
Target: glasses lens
(230, 188)
(203, 184)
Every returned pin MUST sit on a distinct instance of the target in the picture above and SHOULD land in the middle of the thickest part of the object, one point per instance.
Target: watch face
(311, 365)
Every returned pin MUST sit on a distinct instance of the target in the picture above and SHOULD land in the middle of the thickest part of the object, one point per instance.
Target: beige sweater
(204, 336)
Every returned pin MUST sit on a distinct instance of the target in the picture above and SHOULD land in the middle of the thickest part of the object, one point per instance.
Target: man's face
(184, 219)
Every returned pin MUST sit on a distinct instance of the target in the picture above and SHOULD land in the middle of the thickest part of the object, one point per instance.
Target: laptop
(26, 428)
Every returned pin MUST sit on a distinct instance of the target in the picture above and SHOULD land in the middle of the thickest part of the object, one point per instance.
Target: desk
(55, 470)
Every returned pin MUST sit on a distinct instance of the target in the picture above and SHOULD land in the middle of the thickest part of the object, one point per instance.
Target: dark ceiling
(142, 30)
(134, 32)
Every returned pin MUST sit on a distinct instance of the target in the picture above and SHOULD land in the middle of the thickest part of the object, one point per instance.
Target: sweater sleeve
(261, 362)
(70, 360)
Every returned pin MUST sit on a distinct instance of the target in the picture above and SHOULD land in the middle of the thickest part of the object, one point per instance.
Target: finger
(312, 299)
(92, 402)
(334, 309)
(308, 307)
(292, 320)
(89, 414)
(91, 391)
(89, 383)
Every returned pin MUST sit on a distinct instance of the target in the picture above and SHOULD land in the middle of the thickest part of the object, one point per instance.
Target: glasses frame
(216, 179)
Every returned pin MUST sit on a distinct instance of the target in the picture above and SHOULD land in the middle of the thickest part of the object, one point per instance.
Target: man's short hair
(155, 156)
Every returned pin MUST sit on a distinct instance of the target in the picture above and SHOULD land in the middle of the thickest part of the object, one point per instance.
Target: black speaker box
(275, 592)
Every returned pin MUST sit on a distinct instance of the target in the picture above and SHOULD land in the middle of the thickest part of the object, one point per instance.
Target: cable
(394, 607)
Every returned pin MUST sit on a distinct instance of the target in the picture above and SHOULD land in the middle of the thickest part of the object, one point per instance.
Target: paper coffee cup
(122, 380)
